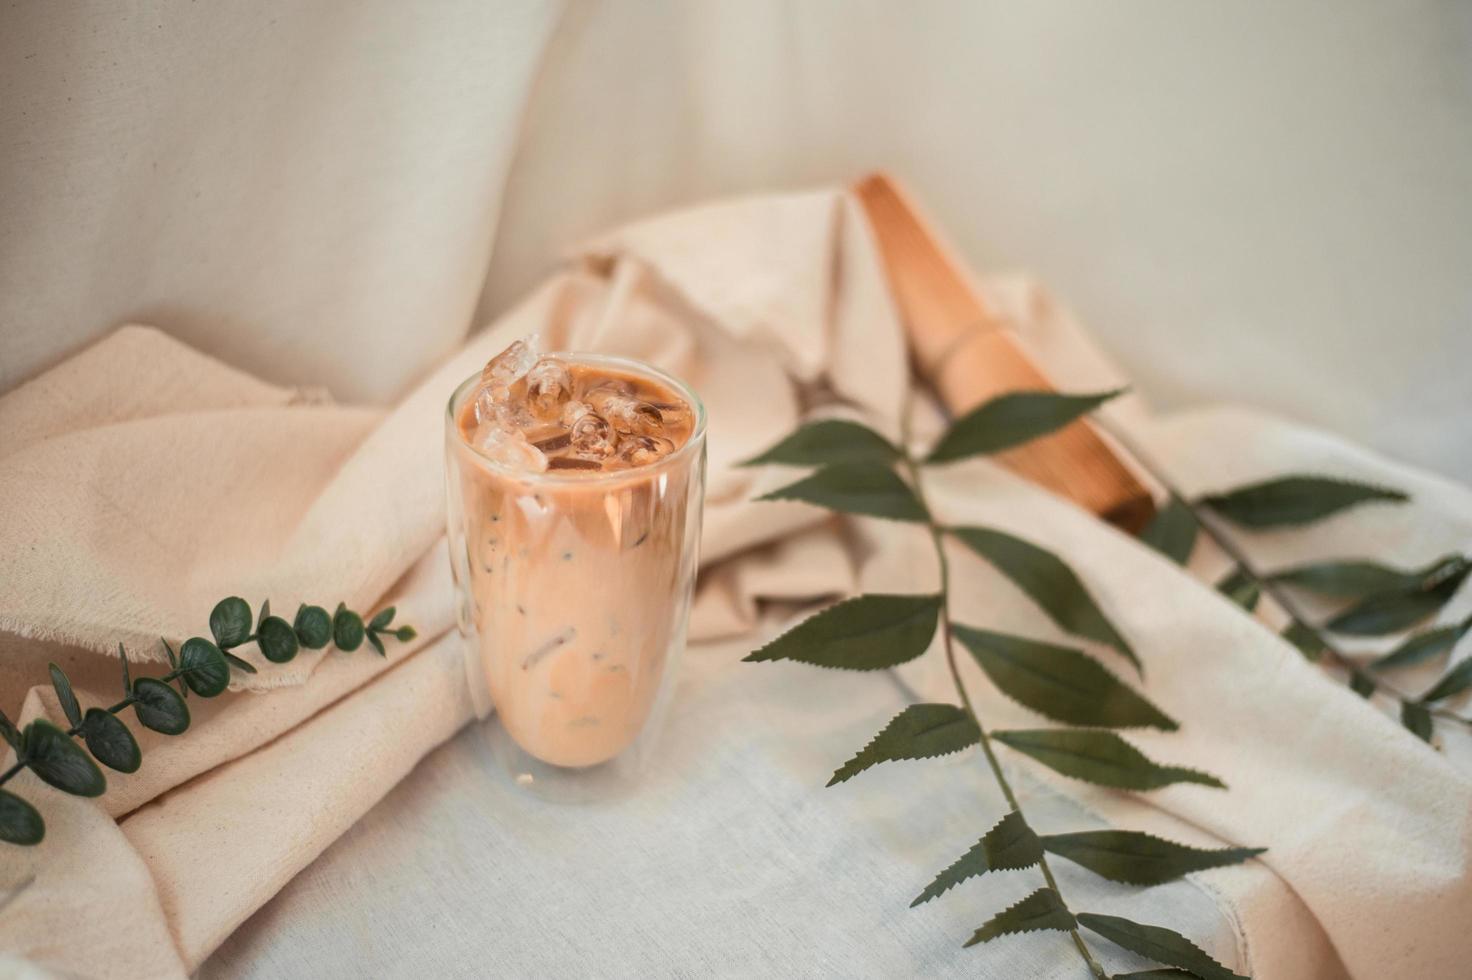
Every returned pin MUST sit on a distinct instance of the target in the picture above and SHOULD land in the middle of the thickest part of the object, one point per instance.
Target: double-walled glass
(572, 596)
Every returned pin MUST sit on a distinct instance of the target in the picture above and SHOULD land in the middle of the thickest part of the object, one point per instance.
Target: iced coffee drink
(575, 486)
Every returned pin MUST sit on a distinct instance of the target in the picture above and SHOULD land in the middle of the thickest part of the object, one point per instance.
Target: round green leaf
(19, 821)
(277, 640)
(205, 669)
(405, 634)
(230, 621)
(110, 741)
(52, 755)
(159, 706)
(313, 627)
(66, 695)
(347, 630)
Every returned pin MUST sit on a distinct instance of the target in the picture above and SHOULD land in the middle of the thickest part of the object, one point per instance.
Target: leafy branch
(1381, 600)
(858, 471)
(200, 666)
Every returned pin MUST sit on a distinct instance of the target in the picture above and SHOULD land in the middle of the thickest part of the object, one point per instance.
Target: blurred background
(1263, 202)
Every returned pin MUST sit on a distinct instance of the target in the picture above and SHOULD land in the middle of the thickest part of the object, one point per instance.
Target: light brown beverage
(577, 485)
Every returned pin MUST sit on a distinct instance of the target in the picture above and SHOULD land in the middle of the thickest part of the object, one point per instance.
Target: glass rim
(583, 477)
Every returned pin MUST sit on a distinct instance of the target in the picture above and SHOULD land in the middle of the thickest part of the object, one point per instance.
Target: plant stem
(937, 538)
(5, 776)
(1214, 529)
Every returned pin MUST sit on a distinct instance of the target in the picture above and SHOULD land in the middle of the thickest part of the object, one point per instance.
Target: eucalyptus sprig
(200, 666)
(858, 471)
(1380, 600)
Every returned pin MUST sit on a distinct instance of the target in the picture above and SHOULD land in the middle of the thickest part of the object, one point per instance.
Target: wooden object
(966, 351)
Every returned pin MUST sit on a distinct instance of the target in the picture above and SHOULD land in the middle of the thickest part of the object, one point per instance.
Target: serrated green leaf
(1059, 682)
(1241, 588)
(1457, 680)
(1043, 909)
(856, 488)
(65, 695)
(230, 622)
(1293, 500)
(1305, 639)
(127, 680)
(1348, 579)
(1427, 645)
(1009, 845)
(1391, 612)
(382, 619)
(347, 629)
(1173, 531)
(867, 632)
(1417, 720)
(829, 441)
(19, 821)
(1099, 757)
(1140, 859)
(1362, 684)
(1157, 943)
(238, 663)
(1048, 581)
(1011, 420)
(159, 706)
(52, 755)
(921, 731)
(109, 740)
(376, 644)
(278, 641)
(205, 669)
(313, 627)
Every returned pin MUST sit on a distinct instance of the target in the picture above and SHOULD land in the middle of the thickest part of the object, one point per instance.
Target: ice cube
(495, 401)
(548, 387)
(643, 450)
(627, 415)
(592, 437)
(510, 449)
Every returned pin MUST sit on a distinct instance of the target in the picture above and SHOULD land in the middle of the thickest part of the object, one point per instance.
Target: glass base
(561, 784)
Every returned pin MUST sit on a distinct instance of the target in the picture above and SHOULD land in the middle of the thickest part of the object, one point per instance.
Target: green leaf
(1416, 719)
(66, 695)
(1168, 973)
(377, 644)
(1349, 579)
(1305, 639)
(1423, 646)
(238, 663)
(405, 633)
(1099, 757)
(856, 488)
(921, 731)
(1011, 420)
(1009, 845)
(52, 755)
(1457, 680)
(347, 629)
(230, 622)
(380, 621)
(1157, 943)
(159, 706)
(1241, 588)
(9, 732)
(1391, 612)
(205, 669)
(19, 821)
(1043, 909)
(173, 659)
(1140, 859)
(127, 681)
(265, 612)
(1291, 500)
(278, 641)
(1173, 531)
(110, 741)
(1361, 683)
(829, 441)
(1062, 683)
(1049, 582)
(313, 627)
(867, 632)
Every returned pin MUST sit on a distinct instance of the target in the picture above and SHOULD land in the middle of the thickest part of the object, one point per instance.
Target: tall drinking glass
(573, 591)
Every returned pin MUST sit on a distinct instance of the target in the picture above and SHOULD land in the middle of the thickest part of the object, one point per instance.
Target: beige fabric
(131, 515)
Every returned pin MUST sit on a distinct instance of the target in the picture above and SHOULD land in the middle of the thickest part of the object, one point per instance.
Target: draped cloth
(144, 481)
